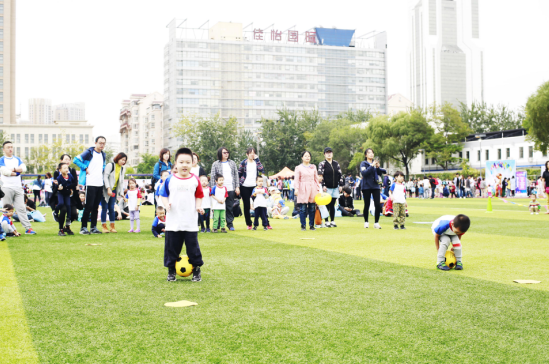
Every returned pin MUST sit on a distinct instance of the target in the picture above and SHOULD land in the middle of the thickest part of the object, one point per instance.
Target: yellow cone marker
(489, 208)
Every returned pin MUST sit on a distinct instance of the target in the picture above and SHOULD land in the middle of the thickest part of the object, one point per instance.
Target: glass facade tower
(250, 80)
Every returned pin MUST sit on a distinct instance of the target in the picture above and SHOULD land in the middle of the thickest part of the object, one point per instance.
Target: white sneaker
(537, 213)
(366, 225)
(376, 225)
(531, 213)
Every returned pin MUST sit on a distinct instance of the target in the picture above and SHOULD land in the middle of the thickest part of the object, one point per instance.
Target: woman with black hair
(306, 188)
(371, 173)
(248, 171)
(227, 168)
(545, 178)
(113, 180)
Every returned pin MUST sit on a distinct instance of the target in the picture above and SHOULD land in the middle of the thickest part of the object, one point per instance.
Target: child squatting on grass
(8, 229)
(534, 205)
(182, 198)
(448, 229)
(159, 223)
(397, 194)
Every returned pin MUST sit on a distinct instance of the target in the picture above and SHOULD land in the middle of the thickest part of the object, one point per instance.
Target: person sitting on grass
(279, 211)
(159, 223)
(534, 205)
(447, 230)
(346, 205)
(7, 225)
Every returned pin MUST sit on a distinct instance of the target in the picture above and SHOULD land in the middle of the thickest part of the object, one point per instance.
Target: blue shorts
(334, 192)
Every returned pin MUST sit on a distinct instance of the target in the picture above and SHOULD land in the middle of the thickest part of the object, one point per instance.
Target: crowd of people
(186, 199)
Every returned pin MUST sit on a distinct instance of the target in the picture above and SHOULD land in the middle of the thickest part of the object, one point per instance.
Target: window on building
(73, 138)
(18, 138)
(32, 138)
(426, 161)
(467, 155)
(27, 138)
(521, 152)
(530, 152)
(1, 33)
(1, 95)
(26, 152)
(1, 120)
(460, 155)
(2, 62)
(478, 156)
(1, 8)
(499, 153)
(1, 46)
(18, 151)
(67, 138)
(13, 137)
(39, 138)
(46, 138)
(54, 138)
(508, 153)
(81, 138)
(87, 139)
(433, 161)
(1, 21)
(487, 154)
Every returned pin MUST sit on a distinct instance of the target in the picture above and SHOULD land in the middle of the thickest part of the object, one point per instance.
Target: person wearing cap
(332, 181)
(279, 211)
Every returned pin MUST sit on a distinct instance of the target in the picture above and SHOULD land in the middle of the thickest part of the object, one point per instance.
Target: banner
(506, 168)
(522, 184)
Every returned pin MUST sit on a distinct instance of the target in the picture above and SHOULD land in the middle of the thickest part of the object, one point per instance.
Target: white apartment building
(397, 103)
(446, 56)
(141, 126)
(40, 111)
(251, 73)
(69, 111)
(26, 135)
(7, 62)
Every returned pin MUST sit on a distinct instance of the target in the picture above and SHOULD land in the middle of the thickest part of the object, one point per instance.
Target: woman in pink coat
(306, 188)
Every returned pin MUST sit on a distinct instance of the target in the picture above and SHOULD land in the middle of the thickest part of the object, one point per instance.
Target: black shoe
(223, 230)
(396, 227)
(67, 230)
(61, 233)
(254, 228)
(196, 275)
(402, 227)
(303, 228)
(84, 231)
(265, 228)
(312, 228)
(171, 275)
(95, 231)
(54, 216)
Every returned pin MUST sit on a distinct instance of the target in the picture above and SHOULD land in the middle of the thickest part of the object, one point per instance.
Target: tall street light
(479, 137)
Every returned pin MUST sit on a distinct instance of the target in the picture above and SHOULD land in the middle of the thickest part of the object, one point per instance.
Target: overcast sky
(99, 52)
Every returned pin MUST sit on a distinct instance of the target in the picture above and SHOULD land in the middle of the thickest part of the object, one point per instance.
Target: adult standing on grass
(164, 164)
(11, 168)
(545, 179)
(48, 188)
(76, 203)
(92, 163)
(37, 186)
(227, 168)
(113, 181)
(250, 168)
(306, 188)
(332, 181)
(370, 170)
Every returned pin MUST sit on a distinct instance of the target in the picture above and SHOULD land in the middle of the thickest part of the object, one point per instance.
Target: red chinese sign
(293, 36)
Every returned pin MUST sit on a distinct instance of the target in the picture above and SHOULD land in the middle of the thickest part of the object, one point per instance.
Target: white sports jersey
(182, 194)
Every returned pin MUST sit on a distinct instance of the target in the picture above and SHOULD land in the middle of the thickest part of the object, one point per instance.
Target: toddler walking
(219, 194)
(397, 195)
(206, 205)
(133, 199)
(260, 203)
(65, 186)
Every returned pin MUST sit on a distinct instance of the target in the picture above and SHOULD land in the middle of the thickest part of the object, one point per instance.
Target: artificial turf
(351, 295)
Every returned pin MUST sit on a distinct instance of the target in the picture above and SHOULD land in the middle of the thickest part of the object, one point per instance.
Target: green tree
(244, 140)
(2, 140)
(147, 163)
(109, 153)
(45, 157)
(482, 118)
(537, 117)
(450, 131)
(400, 137)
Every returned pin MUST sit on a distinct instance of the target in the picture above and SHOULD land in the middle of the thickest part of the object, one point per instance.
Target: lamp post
(479, 137)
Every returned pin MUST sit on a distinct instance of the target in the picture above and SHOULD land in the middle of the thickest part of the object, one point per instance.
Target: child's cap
(281, 202)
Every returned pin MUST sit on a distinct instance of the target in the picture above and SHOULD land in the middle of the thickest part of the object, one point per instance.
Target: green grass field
(351, 295)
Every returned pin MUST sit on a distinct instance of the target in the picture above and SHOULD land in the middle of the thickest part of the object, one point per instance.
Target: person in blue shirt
(447, 230)
(370, 185)
(159, 223)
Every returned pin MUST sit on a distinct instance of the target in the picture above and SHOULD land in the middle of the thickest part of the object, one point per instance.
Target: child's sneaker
(30, 232)
(366, 225)
(171, 275)
(395, 227)
(84, 231)
(402, 227)
(303, 228)
(223, 230)
(196, 275)
(254, 228)
(265, 228)
(208, 230)
(130, 231)
(286, 217)
(269, 227)
(202, 230)
(377, 226)
(67, 230)
(2, 237)
(137, 231)
(442, 266)
(61, 233)
(250, 227)
(312, 228)
(459, 266)
(214, 230)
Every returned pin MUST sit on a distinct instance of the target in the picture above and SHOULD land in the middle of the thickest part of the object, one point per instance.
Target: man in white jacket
(11, 168)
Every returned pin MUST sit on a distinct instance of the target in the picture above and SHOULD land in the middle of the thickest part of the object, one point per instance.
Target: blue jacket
(83, 161)
(370, 176)
(159, 167)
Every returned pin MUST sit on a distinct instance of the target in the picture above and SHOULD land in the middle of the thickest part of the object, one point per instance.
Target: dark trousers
(36, 195)
(48, 196)
(64, 207)
(331, 209)
(433, 192)
(246, 193)
(348, 213)
(158, 229)
(307, 209)
(93, 199)
(229, 202)
(174, 243)
(108, 206)
(204, 218)
(366, 194)
(261, 212)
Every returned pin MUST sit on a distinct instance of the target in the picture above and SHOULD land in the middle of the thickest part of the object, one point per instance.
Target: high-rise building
(252, 73)
(7, 62)
(69, 111)
(40, 111)
(446, 56)
(141, 126)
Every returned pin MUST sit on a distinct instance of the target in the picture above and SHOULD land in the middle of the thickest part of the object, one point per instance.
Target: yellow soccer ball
(450, 259)
(323, 199)
(182, 267)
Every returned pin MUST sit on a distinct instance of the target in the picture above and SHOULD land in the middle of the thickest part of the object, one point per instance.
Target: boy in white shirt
(397, 194)
(182, 198)
(163, 175)
(206, 205)
(219, 194)
(260, 203)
